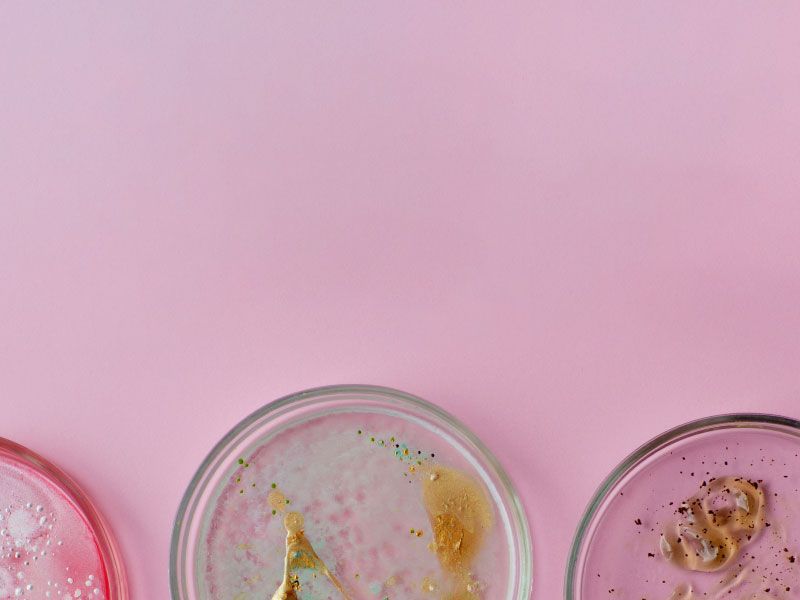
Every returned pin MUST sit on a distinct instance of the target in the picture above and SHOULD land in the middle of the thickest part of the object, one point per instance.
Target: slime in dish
(717, 517)
(47, 549)
(352, 506)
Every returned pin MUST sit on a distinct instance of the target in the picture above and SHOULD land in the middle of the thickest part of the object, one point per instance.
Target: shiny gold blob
(300, 554)
(460, 515)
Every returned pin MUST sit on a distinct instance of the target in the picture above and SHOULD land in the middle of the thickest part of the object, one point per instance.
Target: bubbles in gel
(47, 550)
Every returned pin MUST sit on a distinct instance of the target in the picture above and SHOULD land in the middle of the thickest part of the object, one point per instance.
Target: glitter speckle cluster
(389, 511)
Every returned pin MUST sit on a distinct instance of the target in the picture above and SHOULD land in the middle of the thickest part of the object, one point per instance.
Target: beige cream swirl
(714, 524)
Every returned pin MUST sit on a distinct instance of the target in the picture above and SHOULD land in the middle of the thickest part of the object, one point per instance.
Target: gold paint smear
(460, 515)
(300, 554)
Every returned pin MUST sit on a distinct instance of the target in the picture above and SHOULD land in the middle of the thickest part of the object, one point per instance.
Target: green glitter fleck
(274, 511)
(241, 461)
(274, 485)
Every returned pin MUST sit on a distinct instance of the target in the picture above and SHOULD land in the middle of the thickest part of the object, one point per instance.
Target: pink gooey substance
(47, 548)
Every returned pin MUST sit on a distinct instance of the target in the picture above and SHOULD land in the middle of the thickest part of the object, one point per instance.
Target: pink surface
(571, 226)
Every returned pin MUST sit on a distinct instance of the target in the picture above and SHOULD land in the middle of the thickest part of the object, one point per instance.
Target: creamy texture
(717, 516)
(712, 526)
(387, 509)
(47, 549)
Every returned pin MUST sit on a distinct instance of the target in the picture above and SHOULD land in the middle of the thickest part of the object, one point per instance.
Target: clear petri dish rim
(307, 399)
(645, 451)
(106, 544)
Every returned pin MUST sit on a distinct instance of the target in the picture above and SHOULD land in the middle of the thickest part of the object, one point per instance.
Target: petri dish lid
(353, 460)
(53, 541)
(676, 497)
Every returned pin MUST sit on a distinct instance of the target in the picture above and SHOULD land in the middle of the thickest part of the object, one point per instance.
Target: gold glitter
(300, 554)
(460, 515)
(429, 585)
(277, 500)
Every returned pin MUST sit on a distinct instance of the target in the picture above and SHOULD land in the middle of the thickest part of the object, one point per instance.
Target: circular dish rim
(517, 514)
(642, 453)
(107, 546)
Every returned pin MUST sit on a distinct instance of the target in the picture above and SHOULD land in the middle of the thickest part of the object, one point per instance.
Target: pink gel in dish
(648, 545)
(49, 547)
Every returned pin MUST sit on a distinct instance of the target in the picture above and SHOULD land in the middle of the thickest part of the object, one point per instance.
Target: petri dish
(709, 509)
(53, 542)
(350, 492)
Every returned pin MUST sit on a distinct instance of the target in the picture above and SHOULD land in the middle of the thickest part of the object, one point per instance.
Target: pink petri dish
(53, 543)
(353, 460)
(710, 509)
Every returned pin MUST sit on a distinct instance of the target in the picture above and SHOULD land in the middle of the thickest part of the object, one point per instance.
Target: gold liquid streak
(300, 554)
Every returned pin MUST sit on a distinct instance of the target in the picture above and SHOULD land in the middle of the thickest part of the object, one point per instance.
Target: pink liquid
(47, 549)
(360, 503)
(624, 559)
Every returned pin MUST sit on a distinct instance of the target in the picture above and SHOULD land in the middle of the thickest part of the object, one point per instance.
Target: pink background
(572, 226)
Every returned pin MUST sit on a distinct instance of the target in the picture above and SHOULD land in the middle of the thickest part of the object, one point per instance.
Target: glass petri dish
(388, 485)
(708, 509)
(53, 542)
